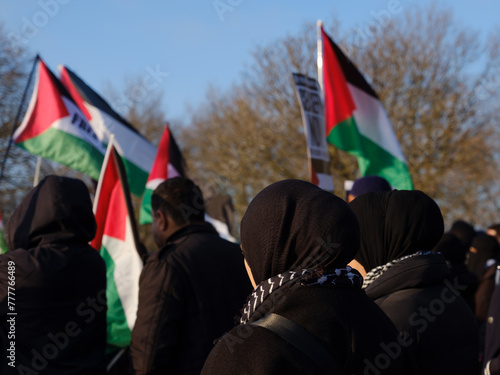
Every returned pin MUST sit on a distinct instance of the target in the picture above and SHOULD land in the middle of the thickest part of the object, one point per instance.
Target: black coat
(492, 345)
(189, 293)
(421, 302)
(59, 284)
(353, 329)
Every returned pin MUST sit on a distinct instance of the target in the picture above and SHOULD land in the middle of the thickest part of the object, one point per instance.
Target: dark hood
(294, 224)
(58, 209)
(394, 224)
(487, 248)
(451, 248)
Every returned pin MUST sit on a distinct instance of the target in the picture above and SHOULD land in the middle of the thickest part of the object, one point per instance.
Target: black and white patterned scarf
(341, 277)
(376, 272)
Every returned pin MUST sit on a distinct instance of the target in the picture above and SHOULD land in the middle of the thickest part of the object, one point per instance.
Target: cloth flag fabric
(117, 240)
(3, 244)
(136, 151)
(55, 128)
(356, 121)
(168, 163)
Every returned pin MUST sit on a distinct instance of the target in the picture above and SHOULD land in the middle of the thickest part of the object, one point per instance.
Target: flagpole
(37, 171)
(319, 60)
(101, 175)
(16, 120)
(115, 359)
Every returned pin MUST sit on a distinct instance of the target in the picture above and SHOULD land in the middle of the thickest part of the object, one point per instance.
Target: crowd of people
(318, 285)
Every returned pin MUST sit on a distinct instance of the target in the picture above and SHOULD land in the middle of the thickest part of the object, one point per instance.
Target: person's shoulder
(21, 262)
(236, 351)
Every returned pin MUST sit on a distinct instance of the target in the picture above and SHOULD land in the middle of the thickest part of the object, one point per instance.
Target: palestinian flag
(117, 240)
(168, 164)
(55, 128)
(136, 151)
(355, 119)
(3, 244)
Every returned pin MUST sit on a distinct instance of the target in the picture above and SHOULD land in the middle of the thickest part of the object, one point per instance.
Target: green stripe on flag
(67, 149)
(145, 212)
(347, 137)
(137, 177)
(3, 244)
(118, 332)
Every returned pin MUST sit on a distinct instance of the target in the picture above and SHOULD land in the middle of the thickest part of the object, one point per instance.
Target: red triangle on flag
(66, 81)
(48, 107)
(339, 104)
(168, 161)
(112, 205)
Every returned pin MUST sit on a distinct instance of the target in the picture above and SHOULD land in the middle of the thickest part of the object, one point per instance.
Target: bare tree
(428, 72)
(15, 64)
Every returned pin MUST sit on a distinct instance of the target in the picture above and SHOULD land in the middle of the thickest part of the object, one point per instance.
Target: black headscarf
(487, 248)
(293, 225)
(452, 248)
(464, 231)
(394, 224)
(58, 210)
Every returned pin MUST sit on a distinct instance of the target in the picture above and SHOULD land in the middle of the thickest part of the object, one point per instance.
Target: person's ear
(162, 221)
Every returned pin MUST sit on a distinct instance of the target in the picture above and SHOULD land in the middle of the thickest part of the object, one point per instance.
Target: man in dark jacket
(190, 290)
(53, 284)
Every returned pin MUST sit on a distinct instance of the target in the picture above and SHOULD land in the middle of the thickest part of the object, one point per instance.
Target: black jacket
(492, 345)
(423, 304)
(58, 283)
(189, 293)
(352, 328)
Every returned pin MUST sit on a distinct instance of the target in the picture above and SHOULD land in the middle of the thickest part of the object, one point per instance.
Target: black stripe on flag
(351, 73)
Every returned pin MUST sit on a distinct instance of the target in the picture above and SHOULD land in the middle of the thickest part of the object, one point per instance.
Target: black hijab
(451, 248)
(293, 225)
(487, 248)
(58, 210)
(464, 231)
(394, 224)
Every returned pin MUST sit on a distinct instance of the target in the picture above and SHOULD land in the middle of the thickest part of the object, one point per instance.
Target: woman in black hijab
(297, 240)
(409, 282)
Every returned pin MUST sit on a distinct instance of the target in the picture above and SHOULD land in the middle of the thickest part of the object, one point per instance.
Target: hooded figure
(464, 231)
(483, 254)
(454, 252)
(58, 283)
(409, 282)
(297, 240)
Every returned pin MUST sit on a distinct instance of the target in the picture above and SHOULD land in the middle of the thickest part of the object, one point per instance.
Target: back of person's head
(494, 230)
(368, 184)
(394, 224)
(180, 199)
(294, 225)
(464, 231)
(57, 209)
(484, 253)
(451, 248)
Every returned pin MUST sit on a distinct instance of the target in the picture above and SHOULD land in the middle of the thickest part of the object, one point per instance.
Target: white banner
(313, 118)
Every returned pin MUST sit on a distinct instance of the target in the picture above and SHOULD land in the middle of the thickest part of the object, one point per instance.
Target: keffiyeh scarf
(341, 277)
(376, 272)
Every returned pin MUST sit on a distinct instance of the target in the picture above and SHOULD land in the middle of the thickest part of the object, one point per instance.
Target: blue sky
(188, 44)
